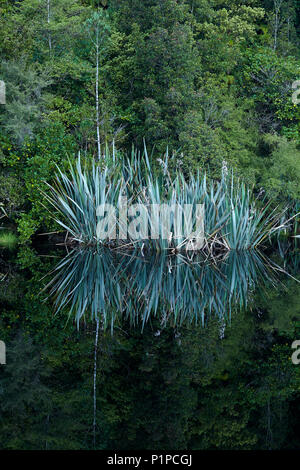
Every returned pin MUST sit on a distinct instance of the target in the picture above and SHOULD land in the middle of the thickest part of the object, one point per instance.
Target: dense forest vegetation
(211, 81)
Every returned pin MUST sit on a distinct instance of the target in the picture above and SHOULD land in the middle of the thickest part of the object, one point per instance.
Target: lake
(116, 350)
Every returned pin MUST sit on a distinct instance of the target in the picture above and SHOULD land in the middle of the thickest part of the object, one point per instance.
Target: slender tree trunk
(277, 5)
(95, 382)
(48, 21)
(47, 425)
(97, 96)
(269, 426)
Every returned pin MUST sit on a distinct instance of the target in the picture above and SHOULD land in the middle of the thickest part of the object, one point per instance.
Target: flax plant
(233, 219)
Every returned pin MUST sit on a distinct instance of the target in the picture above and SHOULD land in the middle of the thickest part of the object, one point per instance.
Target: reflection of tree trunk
(47, 426)
(95, 380)
(269, 427)
(97, 95)
(48, 21)
(222, 328)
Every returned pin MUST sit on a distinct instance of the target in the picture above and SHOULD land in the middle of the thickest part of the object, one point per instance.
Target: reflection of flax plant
(101, 284)
(232, 219)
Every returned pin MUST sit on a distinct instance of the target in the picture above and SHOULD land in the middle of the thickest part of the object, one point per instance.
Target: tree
(99, 30)
(23, 112)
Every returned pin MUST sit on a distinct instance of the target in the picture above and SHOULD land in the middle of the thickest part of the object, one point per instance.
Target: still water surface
(113, 350)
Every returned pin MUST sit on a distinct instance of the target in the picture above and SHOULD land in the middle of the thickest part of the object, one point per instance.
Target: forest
(211, 87)
(209, 81)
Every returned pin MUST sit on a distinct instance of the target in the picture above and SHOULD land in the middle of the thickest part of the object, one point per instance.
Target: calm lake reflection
(176, 289)
(188, 353)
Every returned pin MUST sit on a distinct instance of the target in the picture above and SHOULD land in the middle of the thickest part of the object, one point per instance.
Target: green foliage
(203, 79)
(10, 195)
(7, 239)
(282, 173)
(269, 77)
(22, 114)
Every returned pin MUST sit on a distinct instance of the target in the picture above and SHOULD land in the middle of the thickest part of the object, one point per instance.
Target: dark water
(192, 353)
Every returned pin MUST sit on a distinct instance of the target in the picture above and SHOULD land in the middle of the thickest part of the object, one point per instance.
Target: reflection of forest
(166, 387)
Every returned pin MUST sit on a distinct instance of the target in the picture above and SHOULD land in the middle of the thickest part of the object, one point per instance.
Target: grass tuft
(8, 240)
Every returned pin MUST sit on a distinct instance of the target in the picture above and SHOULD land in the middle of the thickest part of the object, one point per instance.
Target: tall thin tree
(99, 31)
(48, 21)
